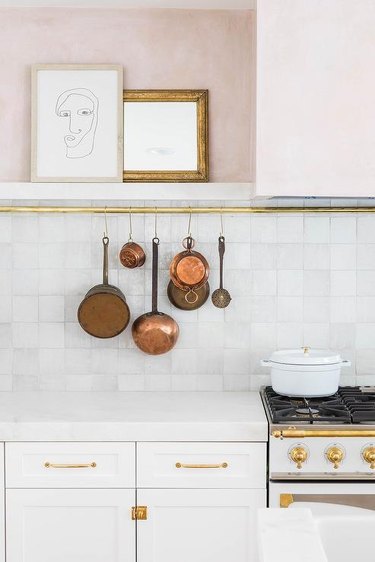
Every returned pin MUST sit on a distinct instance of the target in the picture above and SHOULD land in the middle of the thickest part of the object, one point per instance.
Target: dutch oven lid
(305, 356)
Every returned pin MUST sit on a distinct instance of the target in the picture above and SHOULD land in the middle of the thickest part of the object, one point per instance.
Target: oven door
(284, 494)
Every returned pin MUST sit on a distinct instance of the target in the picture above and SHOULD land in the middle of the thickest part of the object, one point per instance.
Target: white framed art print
(77, 123)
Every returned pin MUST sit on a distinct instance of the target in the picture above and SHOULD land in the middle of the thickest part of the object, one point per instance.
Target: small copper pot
(132, 255)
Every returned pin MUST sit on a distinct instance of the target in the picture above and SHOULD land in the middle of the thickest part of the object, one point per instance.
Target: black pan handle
(221, 256)
(155, 257)
(105, 259)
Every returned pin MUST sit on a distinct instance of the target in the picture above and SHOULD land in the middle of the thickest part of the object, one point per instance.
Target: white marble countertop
(132, 416)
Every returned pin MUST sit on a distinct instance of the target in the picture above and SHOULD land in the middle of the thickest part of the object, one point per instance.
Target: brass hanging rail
(183, 210)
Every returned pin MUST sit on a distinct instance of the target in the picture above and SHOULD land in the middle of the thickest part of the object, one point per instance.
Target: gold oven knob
(368, 455)
(335, 455)
(298, 455)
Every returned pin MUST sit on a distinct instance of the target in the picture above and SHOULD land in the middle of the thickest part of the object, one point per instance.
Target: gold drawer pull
(53, 465)
(181, 465)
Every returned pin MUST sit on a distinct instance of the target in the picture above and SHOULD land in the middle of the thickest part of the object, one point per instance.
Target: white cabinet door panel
(201, 465)
(199, 525)
(70, 465)
(70, 526)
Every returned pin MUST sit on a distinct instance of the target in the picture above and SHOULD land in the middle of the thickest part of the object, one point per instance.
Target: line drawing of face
(80, 109)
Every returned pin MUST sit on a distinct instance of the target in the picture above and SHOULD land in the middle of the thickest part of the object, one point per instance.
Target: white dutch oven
(305, 372)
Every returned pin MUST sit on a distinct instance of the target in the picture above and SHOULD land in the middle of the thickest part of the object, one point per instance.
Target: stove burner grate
(360, 402)
(284, 409)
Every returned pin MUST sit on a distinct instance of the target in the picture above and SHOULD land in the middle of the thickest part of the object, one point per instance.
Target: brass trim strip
(293, 433)
(286, 500)
(54, 465)
(221, 465)
(183, 210)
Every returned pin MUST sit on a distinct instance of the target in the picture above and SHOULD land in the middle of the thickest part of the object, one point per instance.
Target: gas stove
(330, 438)
(350, 405)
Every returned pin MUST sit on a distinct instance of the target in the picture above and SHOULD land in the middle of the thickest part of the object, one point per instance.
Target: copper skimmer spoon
(221, 297)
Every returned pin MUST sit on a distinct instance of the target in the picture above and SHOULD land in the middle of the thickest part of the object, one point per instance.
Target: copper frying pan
(188, 300)
(189, 269)
(104, 313)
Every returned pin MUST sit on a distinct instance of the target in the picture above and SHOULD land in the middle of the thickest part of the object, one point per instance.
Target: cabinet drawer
(70, 465)
(201, 465)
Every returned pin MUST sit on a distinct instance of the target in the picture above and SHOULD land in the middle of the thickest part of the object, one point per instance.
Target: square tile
(343, 229)
(290, 282)
(366, 229)
(316, 230)
(289, 229)
(289, 309)
(343, 256)
(289, 256)
(316, 283)
(316, 309)
(316, 256)
(25, 309)
(343, 283)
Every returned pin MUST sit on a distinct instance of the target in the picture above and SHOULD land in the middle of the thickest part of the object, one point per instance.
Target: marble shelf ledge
(26, 191)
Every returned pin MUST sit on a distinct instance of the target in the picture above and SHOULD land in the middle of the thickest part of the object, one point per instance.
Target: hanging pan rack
(183, 210)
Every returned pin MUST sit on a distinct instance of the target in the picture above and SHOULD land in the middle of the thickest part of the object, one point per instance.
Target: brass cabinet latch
(139, 513)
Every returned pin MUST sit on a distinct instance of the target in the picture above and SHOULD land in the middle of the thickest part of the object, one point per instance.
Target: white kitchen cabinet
(2, 519)
(315, 98)
(70, 525)
(200, 525)
(201, 501)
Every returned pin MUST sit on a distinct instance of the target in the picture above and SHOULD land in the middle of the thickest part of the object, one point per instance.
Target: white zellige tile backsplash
(295, 280)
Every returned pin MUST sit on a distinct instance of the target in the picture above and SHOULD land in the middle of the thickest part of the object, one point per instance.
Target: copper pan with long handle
(104, 313)
(155, 332)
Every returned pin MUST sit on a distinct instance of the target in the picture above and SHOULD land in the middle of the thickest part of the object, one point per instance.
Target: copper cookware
(189, 270)
(188, 300)
(155, 332)
(103, 313)
(132, 255)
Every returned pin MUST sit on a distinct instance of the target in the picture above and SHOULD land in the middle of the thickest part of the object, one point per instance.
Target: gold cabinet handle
(54, 465)
(221, 465)
(139, 513)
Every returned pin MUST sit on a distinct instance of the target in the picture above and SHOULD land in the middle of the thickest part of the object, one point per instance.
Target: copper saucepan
(104, 313)
(155, 332)
(189, 270)
(132, 255)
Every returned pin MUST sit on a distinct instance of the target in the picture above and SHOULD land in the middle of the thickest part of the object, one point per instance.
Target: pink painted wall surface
(157, 48)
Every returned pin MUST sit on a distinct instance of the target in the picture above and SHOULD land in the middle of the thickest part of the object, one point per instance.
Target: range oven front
(355, 494)
(322, 449)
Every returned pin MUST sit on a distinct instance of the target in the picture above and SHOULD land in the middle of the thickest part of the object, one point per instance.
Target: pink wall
(158, 49)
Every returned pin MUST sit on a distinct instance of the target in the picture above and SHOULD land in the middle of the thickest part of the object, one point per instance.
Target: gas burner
(308, 411)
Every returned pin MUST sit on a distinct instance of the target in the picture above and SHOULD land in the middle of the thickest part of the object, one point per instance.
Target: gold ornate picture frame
(165, 135)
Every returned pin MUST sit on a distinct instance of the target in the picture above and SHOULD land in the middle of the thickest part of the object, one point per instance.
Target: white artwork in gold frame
(77, 123)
